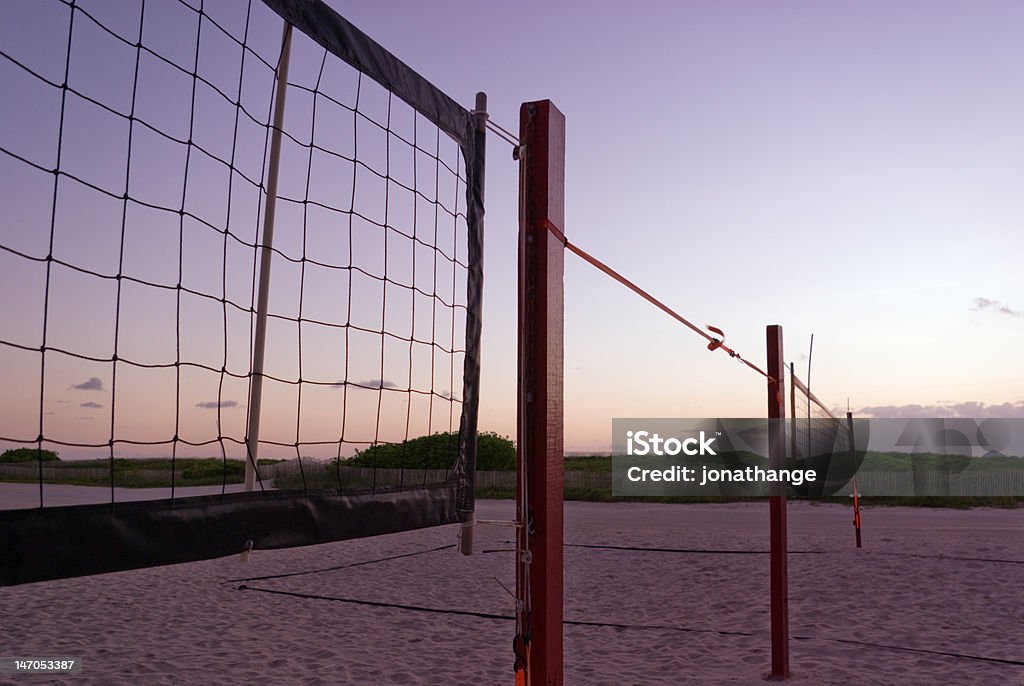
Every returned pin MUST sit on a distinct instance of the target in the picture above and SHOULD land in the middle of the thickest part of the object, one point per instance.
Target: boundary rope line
(617, 625)
(694, 551)
(345, 566)
(489, 615)
(962, 656)
(685, 551)
(791, 552)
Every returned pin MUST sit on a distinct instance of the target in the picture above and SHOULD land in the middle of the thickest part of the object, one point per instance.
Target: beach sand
(926, 582)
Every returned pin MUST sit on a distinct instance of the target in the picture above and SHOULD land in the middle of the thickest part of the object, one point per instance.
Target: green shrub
(438, 451)
(29, 455)
(213, 469)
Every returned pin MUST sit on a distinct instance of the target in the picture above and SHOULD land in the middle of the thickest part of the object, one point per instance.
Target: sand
(926, 582)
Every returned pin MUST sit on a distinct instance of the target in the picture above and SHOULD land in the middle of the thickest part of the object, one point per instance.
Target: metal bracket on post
(252, 441)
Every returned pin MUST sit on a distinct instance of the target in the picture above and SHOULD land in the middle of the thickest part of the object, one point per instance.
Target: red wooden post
(541, 311)
(856, 493)
(777, 506)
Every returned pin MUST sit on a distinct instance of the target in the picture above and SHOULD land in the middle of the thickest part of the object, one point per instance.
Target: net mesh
(816, 431)
(136, 168)
(818, 439)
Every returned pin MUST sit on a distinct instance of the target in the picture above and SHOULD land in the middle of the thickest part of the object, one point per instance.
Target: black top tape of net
(340, 38)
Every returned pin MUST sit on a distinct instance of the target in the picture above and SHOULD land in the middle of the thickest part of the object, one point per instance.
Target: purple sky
(847, 169)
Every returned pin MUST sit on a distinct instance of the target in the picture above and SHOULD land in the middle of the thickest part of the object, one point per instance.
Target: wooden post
(540, 436)
(777, 506)
(856, 493)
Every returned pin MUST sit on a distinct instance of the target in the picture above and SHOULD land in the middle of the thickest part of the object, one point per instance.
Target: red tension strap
(713, 343)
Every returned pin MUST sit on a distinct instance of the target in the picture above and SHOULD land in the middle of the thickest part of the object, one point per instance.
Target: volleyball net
(243, 243)
(821, 440)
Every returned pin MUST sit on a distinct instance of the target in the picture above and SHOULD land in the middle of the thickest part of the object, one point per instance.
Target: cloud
(93, 384)
(982, 303)
(91, 405)
(995, 306)
(369, 384)
(969, 408)
(213, 404)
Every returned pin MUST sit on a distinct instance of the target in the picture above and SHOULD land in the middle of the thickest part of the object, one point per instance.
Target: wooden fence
(324, 475)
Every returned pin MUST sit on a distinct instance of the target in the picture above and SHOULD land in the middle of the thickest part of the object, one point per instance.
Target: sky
(848, 170)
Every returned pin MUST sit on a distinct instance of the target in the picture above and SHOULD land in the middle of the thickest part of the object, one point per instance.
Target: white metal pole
(266, 253)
